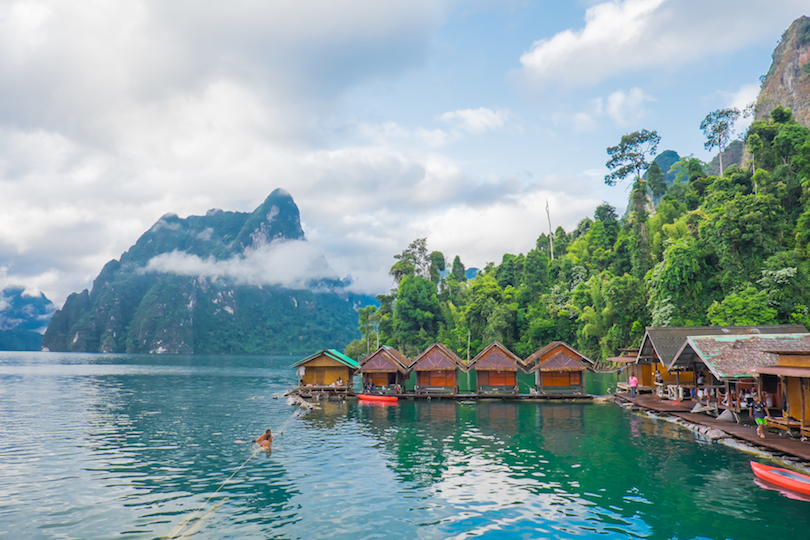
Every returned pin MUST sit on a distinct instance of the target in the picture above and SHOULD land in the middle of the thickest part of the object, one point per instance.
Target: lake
(143, 447)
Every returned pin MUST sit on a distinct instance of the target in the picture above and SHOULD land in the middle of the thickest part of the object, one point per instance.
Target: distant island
(225, 282)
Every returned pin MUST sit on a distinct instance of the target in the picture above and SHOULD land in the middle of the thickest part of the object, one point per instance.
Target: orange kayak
(785, 478)
(373, 397)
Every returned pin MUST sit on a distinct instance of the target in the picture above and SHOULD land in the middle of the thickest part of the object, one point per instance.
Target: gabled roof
(663, 343)
(495, 357)
(437, 357)
(331, 353)
(734, 356)
(556, 356)
(385, 359)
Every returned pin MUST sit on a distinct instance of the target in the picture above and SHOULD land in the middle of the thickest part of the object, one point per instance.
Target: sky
(386, 121)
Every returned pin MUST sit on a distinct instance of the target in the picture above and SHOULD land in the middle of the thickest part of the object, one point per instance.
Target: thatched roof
(495, 357)
(437, 357)
(385, 360)
(557, 356)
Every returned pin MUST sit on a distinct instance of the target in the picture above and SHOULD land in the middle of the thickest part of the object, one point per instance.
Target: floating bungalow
(328, 371)
(437, 370)
(558, 368)
(660, 345)
(496, 369)
(730, 360)
(790, 374)
(386, 370)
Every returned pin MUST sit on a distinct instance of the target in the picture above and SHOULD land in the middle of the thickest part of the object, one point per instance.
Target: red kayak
(373, 397)
(784, 478)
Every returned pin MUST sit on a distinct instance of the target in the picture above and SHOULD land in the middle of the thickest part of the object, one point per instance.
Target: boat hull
(372, 397)
(783, 478)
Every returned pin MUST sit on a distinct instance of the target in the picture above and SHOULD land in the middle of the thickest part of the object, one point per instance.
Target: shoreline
(720, 436)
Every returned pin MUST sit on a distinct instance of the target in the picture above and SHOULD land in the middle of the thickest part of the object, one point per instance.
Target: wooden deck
(656, 404)
(747, 432)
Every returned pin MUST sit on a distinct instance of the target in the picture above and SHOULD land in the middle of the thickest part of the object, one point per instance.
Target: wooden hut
(437, 370)
(558, 369)
(385, 370)
(730, 361)
(791, 373)
(660, 345)
(496, 370)
(328, 370)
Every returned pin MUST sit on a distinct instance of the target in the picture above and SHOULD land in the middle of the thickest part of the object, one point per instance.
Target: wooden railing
(497, 390)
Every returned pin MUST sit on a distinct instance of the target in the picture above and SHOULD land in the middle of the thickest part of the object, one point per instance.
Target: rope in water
(190, 518)
(297, 414)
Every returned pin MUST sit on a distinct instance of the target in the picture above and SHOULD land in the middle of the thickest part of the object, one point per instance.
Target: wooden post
(783, 387)
(679, 397)
(802, 382)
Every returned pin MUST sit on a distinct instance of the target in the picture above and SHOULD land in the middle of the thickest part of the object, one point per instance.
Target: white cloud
(476, 120)
(627, 108)
(291, 264)
(746, 95)
(629, 35)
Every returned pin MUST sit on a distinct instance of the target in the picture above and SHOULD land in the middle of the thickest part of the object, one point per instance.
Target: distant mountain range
(23, 318)
(225, 282)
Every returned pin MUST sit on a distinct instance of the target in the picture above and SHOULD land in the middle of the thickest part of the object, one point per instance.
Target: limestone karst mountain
(225, 282)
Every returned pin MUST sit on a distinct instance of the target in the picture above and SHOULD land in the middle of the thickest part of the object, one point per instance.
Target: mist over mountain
(225, 282)
(23, 318)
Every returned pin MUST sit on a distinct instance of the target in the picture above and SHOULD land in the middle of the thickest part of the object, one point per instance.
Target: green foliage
(630, 155)
(748, 307)
(730, 249)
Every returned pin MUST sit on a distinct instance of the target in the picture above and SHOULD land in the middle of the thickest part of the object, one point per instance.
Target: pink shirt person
(633, 382)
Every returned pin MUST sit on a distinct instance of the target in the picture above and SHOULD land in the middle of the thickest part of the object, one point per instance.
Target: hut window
(379, 379)
(437, 378)
(501, 378)
(561, 378)
(483, 378)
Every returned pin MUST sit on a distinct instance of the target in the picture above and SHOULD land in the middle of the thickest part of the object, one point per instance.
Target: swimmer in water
(265, 439)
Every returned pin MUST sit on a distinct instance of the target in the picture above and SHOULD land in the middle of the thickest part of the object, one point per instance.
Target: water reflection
(142, 443)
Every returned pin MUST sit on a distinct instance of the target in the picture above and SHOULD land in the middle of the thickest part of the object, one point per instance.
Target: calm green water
(96, 446)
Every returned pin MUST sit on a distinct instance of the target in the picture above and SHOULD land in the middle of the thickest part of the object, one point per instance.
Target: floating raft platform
(343, 393)
(747, 432)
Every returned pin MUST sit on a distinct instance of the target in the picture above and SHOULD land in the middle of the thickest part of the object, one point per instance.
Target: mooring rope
(301, 411)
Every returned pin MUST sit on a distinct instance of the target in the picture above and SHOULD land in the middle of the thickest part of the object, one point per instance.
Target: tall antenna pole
(550, 234)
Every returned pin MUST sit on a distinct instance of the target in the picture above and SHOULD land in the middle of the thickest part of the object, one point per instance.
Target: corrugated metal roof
(333, 354)
(733, 356)
(663, 343)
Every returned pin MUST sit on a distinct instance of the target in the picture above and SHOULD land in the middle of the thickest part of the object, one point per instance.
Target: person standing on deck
(633, 381)
(760, 413)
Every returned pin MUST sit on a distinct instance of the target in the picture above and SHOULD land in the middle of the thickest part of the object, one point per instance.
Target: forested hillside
(727, 249)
